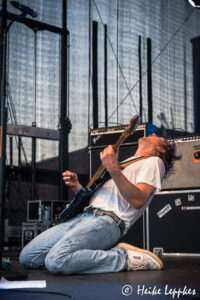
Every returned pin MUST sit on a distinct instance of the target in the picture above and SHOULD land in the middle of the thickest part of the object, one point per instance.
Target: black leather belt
(100, 212)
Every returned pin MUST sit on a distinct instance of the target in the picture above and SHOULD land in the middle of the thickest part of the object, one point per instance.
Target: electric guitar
(82, 197)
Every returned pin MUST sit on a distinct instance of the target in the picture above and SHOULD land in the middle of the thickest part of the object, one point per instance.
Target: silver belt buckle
(100, 212)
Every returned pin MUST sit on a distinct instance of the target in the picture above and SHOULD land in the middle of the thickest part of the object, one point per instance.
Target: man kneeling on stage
(87, 243)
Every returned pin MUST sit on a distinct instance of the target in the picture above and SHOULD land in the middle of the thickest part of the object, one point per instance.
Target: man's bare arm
(135, 195)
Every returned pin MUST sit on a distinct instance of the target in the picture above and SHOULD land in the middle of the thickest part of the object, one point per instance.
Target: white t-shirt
(150, 171)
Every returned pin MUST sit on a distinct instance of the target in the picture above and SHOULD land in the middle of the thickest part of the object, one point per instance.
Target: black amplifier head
(102, 137)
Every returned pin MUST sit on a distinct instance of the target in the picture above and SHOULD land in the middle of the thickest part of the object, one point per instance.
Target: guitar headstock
(134, 122)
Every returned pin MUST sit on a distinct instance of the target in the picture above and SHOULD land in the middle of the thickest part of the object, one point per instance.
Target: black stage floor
(180, 279)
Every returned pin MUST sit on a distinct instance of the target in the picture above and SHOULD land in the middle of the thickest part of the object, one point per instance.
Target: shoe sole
(130, 247)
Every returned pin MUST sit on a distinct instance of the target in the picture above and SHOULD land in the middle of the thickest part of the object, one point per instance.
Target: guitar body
(76, 206)
(82, 198)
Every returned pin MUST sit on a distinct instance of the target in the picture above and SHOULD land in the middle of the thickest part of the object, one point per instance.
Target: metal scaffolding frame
(32, 131)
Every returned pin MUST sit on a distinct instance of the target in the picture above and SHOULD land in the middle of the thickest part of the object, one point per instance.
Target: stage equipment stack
(172, 224)
(41, 215)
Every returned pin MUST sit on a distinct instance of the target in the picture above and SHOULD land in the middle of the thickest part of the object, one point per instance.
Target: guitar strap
(124, 164)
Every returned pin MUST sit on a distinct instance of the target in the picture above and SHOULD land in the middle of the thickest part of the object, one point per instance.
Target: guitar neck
(119, 142)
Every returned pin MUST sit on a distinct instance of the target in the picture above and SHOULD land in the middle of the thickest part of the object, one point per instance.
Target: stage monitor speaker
(186, 171)
(173, 222)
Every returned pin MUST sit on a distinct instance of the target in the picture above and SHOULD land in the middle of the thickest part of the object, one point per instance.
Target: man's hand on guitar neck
(71, 179)
(109, 158)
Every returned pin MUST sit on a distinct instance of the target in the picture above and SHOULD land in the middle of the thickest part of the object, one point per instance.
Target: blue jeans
(80, 245)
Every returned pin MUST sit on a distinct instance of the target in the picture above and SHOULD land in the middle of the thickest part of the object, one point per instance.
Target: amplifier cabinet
(186, 171)
(173, 219)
